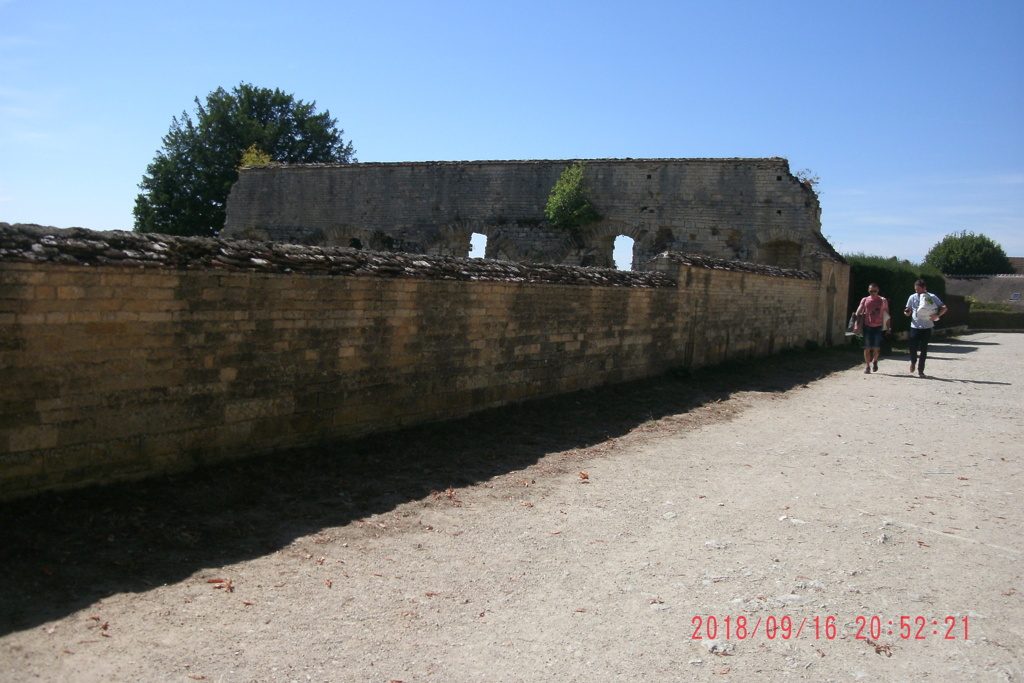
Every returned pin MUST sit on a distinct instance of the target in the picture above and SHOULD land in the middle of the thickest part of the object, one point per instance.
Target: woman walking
(873, 312)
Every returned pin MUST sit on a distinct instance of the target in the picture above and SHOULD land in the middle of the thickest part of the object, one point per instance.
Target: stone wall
(743, 209)
(125, 355)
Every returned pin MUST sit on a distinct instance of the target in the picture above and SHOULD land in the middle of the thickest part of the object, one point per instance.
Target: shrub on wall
(569, 206)
(254, 156)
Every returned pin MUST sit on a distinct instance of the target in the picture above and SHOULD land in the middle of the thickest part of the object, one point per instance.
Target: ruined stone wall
(125, 355)
(745, 209)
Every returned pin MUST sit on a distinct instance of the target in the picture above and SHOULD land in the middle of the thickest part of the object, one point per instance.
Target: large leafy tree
(185, 188)
(964, 253)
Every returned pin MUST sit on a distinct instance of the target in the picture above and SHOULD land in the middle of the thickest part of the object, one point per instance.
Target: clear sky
(911, 112)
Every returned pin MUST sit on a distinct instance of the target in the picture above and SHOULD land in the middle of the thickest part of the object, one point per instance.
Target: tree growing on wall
(807, 178)
(185, 188)
(964, 253)
(254, 156)
(568, 205)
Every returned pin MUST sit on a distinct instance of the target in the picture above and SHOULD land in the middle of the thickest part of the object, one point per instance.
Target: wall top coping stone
(495, 162)
(79, 246)
(712, 263)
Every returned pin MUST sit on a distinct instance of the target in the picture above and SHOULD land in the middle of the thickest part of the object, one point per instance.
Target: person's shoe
(874, 366)
(920, 373)
(913, 366)
(867, 370)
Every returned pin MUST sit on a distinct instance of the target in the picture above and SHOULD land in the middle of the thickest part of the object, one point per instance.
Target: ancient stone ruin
(338, 301)
(751, 210)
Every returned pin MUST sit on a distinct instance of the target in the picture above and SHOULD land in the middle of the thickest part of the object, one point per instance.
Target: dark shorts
(872, 337)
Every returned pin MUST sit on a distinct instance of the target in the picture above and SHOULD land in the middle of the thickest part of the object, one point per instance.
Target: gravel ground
(754, 522)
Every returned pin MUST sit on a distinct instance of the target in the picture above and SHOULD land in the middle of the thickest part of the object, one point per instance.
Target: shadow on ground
(62, 552)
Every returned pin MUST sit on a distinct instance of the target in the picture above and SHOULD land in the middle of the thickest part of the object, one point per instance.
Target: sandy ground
(793, 520)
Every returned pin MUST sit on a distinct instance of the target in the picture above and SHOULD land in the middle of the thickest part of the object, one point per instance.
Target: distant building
(1000, 289)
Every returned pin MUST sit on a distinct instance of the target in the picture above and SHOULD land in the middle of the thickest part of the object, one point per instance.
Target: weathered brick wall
(747, 209)
(120, 357)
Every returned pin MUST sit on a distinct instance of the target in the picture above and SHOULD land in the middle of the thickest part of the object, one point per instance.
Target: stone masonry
(127, 355)
(733, 209)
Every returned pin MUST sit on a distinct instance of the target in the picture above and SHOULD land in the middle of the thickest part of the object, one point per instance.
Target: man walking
(923, 309)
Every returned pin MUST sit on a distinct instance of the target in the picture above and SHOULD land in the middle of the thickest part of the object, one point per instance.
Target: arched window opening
(781, 253)
(477, 245)
(622, 252)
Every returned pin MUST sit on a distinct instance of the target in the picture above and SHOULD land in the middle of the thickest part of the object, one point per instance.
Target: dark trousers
(919, 346)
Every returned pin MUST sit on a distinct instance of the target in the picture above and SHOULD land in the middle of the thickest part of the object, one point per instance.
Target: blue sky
(910, 112)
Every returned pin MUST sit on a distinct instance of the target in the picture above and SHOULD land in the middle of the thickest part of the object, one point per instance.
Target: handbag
(853, 327)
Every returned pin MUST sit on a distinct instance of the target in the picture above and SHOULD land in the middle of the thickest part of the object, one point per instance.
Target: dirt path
(585, 539)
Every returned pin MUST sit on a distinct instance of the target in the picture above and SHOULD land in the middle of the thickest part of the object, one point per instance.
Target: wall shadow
(954, 380)
(951, 347)
(61, 552)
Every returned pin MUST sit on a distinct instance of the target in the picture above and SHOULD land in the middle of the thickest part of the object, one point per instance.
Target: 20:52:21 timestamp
(913, 628)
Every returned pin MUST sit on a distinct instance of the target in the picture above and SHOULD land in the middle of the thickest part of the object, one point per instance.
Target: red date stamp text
(742, 627)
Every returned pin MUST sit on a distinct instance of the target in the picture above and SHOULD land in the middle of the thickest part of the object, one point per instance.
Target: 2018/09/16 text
(864, 628)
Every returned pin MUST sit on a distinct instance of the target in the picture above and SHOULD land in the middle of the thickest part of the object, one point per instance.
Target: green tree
(568, 204)
(185, 188)
(964, 253)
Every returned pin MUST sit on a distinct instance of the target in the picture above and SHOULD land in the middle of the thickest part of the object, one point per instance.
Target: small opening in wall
(477, 245)
(778, 177)
(355, 243)
(622, 252)
(648, 176)
(779, 211)
(781, 253)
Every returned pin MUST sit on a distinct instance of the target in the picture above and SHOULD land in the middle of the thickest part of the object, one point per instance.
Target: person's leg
(915, 340)
(926, 336)
(872, 342)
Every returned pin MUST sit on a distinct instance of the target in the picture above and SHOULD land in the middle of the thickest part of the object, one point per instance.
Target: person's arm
(909, 309)
(941, 312)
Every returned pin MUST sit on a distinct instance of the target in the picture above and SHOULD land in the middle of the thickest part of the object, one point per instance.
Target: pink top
(873, 307)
